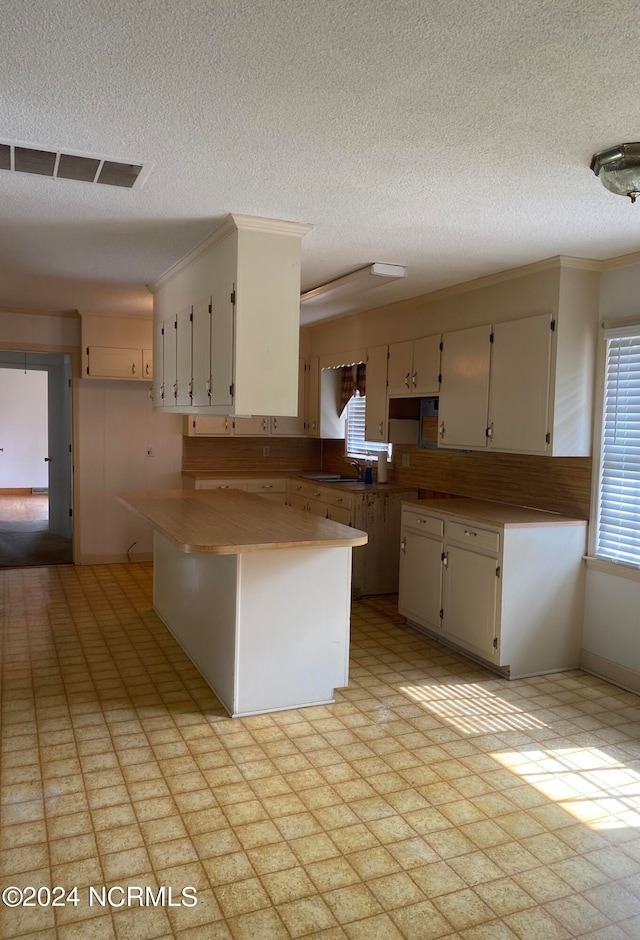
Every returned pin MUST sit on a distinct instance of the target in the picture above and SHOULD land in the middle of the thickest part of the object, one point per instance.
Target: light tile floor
(433, 800)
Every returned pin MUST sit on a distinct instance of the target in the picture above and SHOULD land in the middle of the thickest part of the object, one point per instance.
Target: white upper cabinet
(519, 418)
(234, 303)
(414, 367)
(521, 386)
(464, 390)
(116, 347)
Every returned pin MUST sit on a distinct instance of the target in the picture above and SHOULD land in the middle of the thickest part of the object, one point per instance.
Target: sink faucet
(354, 463)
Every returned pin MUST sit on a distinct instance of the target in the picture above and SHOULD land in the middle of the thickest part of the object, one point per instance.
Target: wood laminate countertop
(232, 522)
(490, 513)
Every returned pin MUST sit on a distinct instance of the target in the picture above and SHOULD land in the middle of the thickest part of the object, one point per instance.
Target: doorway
(36, 522)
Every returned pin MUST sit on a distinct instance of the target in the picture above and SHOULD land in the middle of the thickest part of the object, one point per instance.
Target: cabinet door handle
(489, 431)
(275, 424)
(403, 545)
(133, 368)
(208, 387)
(380, 428)
(266, 486)
(264, 424)
(162, 392)
(175, 390)
(191, 389)
(470, 534)
(146, 369)
(445, 559)
(151, 392)
(406, 379)
(414, 379)
(442, 429)
(339, 500)
(226, 423)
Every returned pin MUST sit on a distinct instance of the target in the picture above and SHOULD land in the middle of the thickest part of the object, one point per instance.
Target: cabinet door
(464, 392)
(114, 363)
(339, 514)
(420, 587)
(208, 426)
(292, 427)
(298, 502)
(201, 353)
(426, 366)
(183, 357)
(400, 368)
(157, 391)
(519, 396)
(317, 507)
(312, 402)
(222, 321)
(375, 412)
(254, 426)
(170, 365)
(470, 600)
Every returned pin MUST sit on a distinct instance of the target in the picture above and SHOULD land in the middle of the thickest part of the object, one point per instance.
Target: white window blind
(356, 445)
(618, 526)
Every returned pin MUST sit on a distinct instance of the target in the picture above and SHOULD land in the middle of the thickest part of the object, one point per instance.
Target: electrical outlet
(405, 460)
(265, 450)
(150, 452)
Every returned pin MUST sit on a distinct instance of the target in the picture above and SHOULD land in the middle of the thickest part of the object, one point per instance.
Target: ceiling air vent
(71, 166)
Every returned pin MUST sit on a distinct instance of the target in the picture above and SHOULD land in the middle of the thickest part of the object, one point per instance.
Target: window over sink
(355, 443)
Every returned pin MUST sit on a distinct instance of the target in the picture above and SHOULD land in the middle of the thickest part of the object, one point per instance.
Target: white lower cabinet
(501, 583)
(376, 512)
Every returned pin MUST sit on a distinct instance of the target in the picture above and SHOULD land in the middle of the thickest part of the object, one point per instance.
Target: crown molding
(69, 314)
(621, 261)
(232, 223)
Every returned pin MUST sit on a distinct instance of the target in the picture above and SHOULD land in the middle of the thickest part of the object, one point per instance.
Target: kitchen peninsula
(258, 595)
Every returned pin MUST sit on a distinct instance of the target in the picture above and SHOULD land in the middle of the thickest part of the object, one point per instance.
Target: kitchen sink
(329, 478)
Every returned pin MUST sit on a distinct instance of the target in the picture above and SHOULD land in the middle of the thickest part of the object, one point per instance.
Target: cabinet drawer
(342, 500)
(266, 486)
(417, 520)
(472, 536)
(221, 485)
(317, 492)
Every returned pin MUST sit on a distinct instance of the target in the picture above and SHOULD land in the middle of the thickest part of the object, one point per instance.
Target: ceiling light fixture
(373, 275)
(619, 169)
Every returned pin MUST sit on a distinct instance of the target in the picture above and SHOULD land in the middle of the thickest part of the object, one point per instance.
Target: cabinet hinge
(233, 297)
(69, 383)
(71, 512)
(553, 326)
(441, 613)
(490, 337)
(495, 642)
(87, 350)
(498, 571)
(231, 390)
(388, 357)
(210, 308)
(175, 324)
(443, 556)
(441, 345)
(162, 331)
(547, 437)
(191, 317)
(69, 448)
(87, 370)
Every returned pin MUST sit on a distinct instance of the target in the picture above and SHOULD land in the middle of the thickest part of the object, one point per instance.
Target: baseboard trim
(628, 679)
(16, 491)
(114, 559)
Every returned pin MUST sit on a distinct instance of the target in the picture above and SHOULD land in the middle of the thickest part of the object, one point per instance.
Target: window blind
(356, 444)
(618, 530)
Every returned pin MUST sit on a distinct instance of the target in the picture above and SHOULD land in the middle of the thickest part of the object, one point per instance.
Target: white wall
(611, 636)
(116, 428)
(23, 428)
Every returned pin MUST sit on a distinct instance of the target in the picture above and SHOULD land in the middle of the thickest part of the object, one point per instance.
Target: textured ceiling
(453, 138)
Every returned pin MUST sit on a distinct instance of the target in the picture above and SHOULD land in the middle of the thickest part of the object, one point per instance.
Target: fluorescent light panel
(373, 275)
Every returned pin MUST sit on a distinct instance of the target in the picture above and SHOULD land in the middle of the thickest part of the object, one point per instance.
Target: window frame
(370, 449)
(595, 559)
